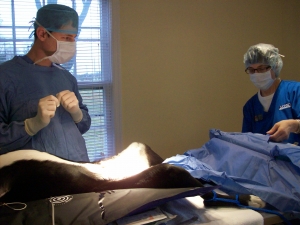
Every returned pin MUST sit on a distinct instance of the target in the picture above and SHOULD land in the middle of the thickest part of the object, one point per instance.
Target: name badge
(258, 118)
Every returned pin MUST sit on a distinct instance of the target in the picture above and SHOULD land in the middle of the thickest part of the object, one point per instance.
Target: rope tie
(11, 205)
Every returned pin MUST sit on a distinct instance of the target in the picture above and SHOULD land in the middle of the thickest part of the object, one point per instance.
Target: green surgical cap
(266, 54)
(53, 16)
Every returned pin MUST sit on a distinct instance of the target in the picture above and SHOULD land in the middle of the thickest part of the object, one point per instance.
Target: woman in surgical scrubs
(275, 109)
(40, 105)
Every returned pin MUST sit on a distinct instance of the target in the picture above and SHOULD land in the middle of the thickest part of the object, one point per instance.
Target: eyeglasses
(261, 69)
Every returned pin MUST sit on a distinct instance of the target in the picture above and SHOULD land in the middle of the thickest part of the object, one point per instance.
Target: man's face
(50, 43)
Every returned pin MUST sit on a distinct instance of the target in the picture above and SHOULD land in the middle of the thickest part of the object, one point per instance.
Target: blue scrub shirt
(22, 85)
(285, 105)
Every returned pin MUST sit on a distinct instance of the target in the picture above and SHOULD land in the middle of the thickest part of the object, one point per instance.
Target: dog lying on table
(27, 175)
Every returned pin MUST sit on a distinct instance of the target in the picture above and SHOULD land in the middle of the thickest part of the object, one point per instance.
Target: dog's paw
(256, 202)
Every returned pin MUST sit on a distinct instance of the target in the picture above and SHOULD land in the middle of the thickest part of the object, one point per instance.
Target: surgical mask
(262, 81)
(65, 51)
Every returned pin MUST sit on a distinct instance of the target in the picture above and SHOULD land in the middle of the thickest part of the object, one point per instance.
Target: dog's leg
(217, 199)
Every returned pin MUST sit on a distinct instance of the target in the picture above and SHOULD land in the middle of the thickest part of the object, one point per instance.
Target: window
(92, 65)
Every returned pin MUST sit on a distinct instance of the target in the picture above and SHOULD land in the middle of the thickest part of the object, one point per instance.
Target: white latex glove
(70, 103)
(46, 110)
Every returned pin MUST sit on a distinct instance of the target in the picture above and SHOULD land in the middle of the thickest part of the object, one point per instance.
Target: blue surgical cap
(266, 54)
(53, 16)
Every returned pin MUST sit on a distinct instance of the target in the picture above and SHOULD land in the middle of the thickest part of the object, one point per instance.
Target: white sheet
(191, 211)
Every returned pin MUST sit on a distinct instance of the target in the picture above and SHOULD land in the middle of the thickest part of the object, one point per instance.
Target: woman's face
(260, 68)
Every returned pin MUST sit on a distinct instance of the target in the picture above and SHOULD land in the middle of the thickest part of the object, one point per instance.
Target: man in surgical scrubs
(275, 109)
(40, 105)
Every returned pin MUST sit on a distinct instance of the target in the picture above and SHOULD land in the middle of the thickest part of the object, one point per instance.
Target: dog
(27, 175)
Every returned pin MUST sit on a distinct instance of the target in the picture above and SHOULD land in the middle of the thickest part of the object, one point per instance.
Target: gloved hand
(46, 110)
(70, 103)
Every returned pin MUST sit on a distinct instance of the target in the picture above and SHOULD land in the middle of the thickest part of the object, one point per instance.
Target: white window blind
(91, 66)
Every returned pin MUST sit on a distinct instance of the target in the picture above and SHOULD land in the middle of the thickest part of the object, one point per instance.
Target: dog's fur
(27, 175)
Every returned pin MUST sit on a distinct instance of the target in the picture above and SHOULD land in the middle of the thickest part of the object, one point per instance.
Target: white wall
(182, 69)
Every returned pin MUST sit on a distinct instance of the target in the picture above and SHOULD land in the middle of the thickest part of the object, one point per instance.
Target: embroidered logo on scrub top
(285, 106)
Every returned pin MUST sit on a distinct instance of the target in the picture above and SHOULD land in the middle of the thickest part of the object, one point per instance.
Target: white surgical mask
(262, 81)
(65, 51)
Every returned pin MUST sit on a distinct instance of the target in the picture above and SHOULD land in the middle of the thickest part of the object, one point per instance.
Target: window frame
(110, 86)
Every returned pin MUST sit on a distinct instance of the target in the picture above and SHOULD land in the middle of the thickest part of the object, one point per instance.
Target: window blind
(91, 65)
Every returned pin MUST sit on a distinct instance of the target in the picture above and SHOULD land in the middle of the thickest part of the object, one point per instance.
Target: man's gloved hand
(70, 103)
(46, 110)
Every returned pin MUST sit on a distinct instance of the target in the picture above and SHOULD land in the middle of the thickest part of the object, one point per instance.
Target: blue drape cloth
(247, 163)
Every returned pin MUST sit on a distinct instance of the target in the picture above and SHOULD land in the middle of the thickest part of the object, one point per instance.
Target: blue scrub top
(285, 105)
(22, 85)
